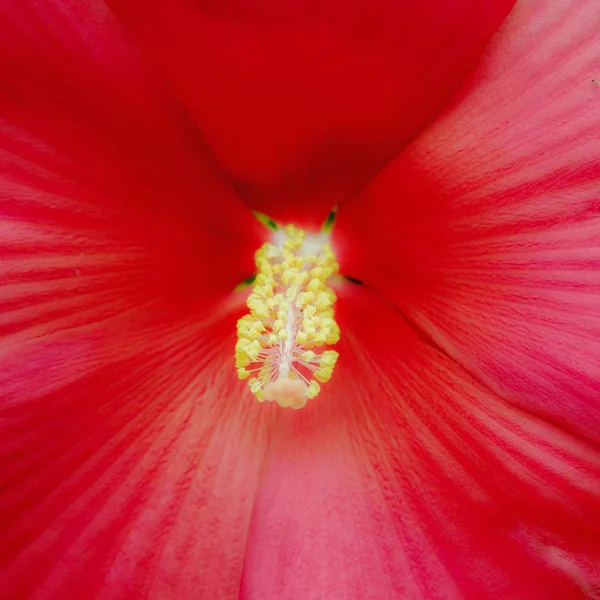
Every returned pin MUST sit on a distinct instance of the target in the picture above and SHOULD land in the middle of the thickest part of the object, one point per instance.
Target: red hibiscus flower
(454, 452)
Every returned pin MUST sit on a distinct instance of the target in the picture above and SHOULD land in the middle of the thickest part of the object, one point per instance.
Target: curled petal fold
(485, 232)
(409, 479)
(303, 101)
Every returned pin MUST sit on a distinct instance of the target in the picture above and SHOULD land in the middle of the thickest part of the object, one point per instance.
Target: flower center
(280, 343)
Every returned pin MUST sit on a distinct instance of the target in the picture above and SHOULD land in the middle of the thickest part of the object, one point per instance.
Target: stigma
(282, 343)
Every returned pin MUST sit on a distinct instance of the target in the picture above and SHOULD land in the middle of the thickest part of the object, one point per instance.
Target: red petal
(301, 102)
(129, 471)
(94, 149)
(128, 454)
(485, 232)
(407, 479)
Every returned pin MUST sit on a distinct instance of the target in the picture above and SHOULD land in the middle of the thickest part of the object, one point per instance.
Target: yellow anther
(310, 300)
(258, 327)
(289, 276)
(241, 362)
(301, 337)
(323, 301)
(323, 375)
(253, 350)
(262, 311)
(308, 356)
(308, 323)
(310, 311)
(243, 373)
(327, 322)
(291, 293)
(304, 300)
(329, 358)
(333, 338)
(314, 285)
(313, 390)
(291, 320)
(255, 385)
(300, 300)
(262, 278)
(270, 251)
(293, 231)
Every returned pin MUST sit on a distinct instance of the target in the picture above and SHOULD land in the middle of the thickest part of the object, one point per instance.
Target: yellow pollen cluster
(280, 343)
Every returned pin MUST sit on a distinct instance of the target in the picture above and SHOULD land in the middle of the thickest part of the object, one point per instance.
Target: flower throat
(281, 343)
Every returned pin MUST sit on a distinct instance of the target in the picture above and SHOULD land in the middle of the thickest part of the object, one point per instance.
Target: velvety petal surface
(408, 479)
(91, 140)
(128, 458)
(128, 472)
(303, 101)
(485, 232)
